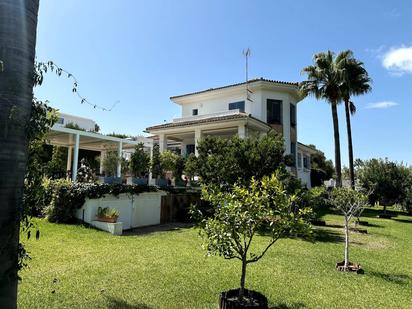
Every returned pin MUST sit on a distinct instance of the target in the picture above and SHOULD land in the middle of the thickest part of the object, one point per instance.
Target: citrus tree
(239, 214)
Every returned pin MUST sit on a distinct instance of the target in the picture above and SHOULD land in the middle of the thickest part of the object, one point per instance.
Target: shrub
(191, 166)
(110, 161)
(168, 161)
(155, 165)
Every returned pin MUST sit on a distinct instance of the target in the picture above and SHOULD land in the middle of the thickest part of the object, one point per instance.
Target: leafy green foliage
(110, 161)
(389, 182)
(85, 173)
(179, 167)
(118, 135)
(156, 166)
(321, 169)
(57, 164)
(107, 212)
(139, 161)
(317, 199)
(74, 126)
(245, 210)
(235, 160)
(67, 197)
(168, 161)
(191, 166)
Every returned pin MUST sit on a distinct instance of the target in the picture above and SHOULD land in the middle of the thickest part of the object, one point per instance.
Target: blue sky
(143, 52)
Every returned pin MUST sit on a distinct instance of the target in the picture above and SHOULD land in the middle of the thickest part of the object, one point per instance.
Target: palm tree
(324, 79)
(356, 81)
(18, 24)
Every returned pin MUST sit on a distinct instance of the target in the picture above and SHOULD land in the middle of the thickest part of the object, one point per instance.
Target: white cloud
(381, 105)
(398, 61)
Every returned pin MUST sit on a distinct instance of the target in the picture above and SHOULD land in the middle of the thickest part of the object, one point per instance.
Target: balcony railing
(206, 116)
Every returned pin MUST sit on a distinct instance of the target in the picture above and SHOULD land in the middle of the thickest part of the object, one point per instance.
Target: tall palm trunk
(337, 145)
(18, 23)
(350, 146)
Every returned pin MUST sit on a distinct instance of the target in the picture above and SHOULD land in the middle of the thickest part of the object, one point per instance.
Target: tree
(156, 166)
(350, 203)
(168, 161)
(356, 82)
(57, 164)
(389, 182)
(110, 162)
(324, 80)
(18, 21)
(242, 212)
(139, 161)
(321, 169)
(236, 160)
(191, 166)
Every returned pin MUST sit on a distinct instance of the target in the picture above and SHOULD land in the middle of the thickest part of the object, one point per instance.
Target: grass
(78, 267)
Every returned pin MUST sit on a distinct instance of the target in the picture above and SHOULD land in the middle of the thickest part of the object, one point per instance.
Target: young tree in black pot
(238, 216)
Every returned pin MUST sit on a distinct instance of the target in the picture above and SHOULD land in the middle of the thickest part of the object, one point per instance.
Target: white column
(102, 155)
(75, 157)
(119, 163)
(241, 131)
(69, 160)
(198, 136)
(183, 150)
(162, 142)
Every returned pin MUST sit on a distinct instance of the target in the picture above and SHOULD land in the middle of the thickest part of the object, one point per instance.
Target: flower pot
(252, 300)
(107, 219)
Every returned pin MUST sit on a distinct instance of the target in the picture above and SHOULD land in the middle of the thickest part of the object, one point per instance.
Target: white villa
(244, 109)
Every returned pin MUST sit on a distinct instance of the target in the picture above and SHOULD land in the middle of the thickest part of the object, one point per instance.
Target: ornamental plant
(351, 204)
(244, 211)
(139, 161)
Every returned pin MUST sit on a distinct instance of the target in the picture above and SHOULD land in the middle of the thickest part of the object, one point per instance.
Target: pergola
(78, 139)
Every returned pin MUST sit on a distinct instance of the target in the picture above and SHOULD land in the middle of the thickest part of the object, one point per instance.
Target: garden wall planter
(254, 300)
(107, 219)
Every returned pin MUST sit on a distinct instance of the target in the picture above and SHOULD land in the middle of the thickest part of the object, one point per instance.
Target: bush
(139, 161)
(68, 197)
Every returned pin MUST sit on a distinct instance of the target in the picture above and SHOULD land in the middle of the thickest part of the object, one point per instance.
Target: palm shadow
(400, 279)
(176, 227)
(115, 303)
(286, 306)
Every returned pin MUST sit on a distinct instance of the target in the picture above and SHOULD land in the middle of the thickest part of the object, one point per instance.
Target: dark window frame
(195, 112)
(240, 105)
(292, 115)
(271, 116)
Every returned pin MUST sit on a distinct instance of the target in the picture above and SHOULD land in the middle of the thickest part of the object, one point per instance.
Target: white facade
(241, 109)
(83, 123)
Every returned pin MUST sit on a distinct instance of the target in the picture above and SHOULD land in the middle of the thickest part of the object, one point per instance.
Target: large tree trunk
(346, 244)
(243, 279)
(337, 145)
(18, 23)
(350, 146)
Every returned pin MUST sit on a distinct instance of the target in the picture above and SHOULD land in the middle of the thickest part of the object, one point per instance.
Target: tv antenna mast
(246, 53)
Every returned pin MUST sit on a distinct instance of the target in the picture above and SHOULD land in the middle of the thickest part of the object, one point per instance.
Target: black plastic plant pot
(251, 300)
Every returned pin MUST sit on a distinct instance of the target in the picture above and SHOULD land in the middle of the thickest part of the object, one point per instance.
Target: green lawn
(78, 267)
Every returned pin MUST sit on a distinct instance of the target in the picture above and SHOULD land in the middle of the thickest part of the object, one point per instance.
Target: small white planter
(113, 228)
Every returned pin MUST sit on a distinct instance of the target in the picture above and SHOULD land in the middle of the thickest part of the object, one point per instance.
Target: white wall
(135, 211)
(83, 123)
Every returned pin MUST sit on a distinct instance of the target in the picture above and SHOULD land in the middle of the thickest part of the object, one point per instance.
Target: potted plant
(107, 214)
(139, 165)
(239, 214)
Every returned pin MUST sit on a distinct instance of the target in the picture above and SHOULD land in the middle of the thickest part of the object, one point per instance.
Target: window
(306, 162)
(190, 149)
(299, 160)
(293, 152)
(292, 115)
(274, 111)
(60, 120)
(237, 105)
(195, 112)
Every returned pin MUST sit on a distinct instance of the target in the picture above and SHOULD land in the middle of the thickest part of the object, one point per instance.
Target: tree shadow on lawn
(114, 303)
(400, 279)
(157, 228)
(326, 235)
(402, 220)
(286, 306)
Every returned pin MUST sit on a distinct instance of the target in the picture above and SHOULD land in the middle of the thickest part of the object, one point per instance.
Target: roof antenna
(246, 53)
